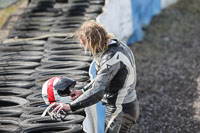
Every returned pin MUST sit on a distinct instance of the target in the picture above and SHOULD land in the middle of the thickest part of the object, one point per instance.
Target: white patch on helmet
(44, 93)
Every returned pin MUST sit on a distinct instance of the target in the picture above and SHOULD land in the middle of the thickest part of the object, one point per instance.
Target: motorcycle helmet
(57, 89)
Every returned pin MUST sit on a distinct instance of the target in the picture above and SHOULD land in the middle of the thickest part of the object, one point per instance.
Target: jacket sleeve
(106, 73)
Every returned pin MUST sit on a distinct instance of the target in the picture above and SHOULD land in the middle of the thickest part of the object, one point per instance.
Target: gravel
(168, 71)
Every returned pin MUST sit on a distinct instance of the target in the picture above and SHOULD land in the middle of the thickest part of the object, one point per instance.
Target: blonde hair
(94, 35)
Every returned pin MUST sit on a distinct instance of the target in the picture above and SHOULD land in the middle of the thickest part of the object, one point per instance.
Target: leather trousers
(124, 120)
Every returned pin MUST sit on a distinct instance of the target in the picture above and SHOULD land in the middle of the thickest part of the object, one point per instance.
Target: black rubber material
(57, 56)
(11, 112)
(57, 47)
(43, 77)
(27, 64)
(65, 52)
(40, 14)
(75, 22)
(29, 28)
(38, 19)
(69, 128)
(9, 121)
(14, 91)
(20, 84)
(20, 48)
(22, 53)
(36, 88)
(31, 23)
(71, 18)
(60, 26)
(19, 71)
(33, 105)
(61, 40)
(36, 96)
(17, 77)
(40, 79)
(9, 129)
(28, 43)
(15, 67)
(36, 112)
(71, 74)
(33, 58)
(11, 102)
(67, 30)
(94, 9)
(44, 121)
(64, 58)
(26, 34)
(72, 66)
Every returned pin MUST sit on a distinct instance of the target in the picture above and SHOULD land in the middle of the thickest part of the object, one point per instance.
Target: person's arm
(106, 73)
(88, 86)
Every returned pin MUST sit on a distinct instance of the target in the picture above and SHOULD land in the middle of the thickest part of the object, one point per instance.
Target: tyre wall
(26, 65)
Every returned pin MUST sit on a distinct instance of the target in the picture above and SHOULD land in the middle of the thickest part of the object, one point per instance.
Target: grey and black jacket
(115, 81)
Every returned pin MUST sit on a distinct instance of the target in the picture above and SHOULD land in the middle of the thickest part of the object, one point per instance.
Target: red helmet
(57, 89)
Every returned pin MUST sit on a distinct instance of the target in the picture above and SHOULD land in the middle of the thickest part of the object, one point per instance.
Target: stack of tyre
(25, 66)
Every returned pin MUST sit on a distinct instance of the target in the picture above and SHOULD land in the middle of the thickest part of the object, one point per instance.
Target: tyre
(65, 52)
(9, 121)
(9, 129)
(21, 58)
(94, 9)
(30, 28)
(64, 67)
(28, 43)
(19, 64)
(21, 53)
(14, 91)
(19, 84)
(16, 77)
(36, 96)
(42, 72)
(19, 71)
(67, 30)
(20, 48)
(61, 40)
(15, 112)
(57, 47)
(64, 58)
(11, 102)
(34, 105)
(40, 79)
(36, 112)
(68, 128)
(47, 121)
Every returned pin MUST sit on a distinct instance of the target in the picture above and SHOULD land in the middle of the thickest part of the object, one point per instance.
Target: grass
(5, 13)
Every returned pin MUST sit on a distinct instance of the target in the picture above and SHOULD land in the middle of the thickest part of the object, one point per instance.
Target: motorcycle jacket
(115, 80)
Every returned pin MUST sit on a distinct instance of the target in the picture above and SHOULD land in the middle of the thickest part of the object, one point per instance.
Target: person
(114, 83)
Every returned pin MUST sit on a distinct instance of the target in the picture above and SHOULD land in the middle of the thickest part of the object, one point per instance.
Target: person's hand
(59, 107)
(75, 94)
